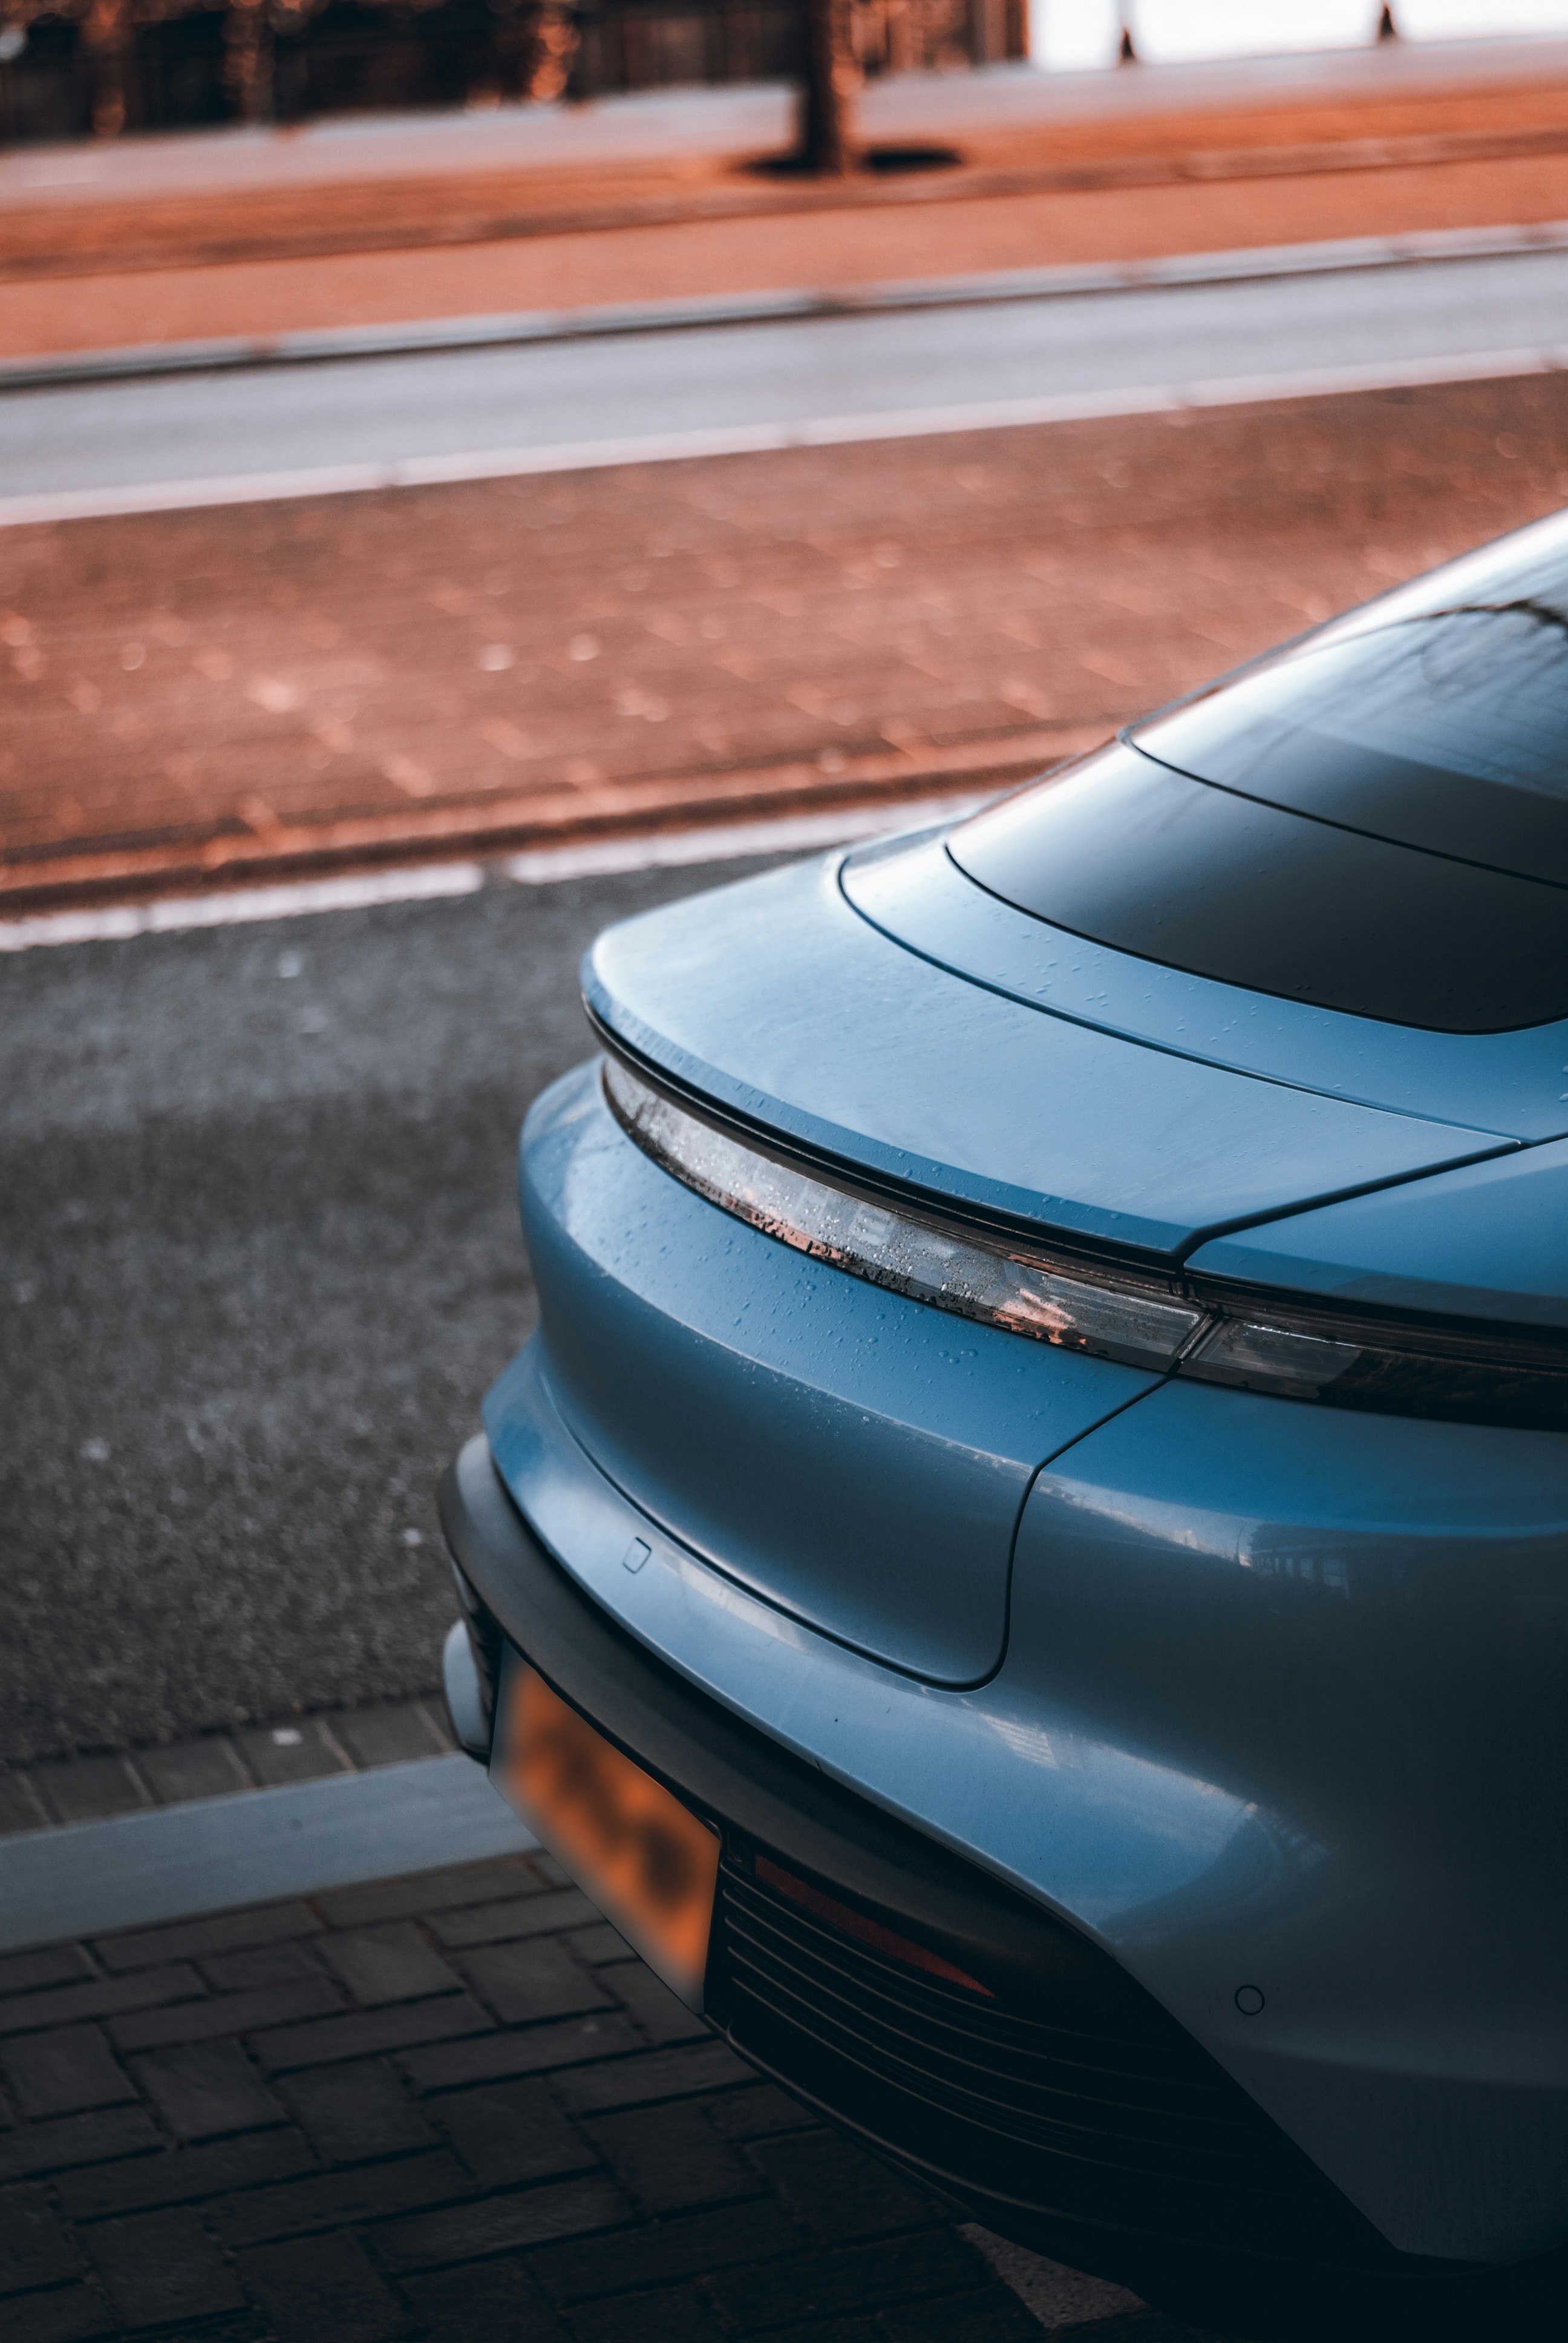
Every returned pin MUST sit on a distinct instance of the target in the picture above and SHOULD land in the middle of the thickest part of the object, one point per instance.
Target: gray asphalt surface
(459, 403)
(259, 1259)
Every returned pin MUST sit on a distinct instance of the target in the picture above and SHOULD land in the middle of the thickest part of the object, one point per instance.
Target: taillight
(1279, 1343)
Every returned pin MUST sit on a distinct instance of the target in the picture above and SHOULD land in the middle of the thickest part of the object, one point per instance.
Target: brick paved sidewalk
(453, 2107)
(271, 236)
(275, 689)
(946, 233)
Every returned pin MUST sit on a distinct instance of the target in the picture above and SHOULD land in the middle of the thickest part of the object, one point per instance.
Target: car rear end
(1048, 1460)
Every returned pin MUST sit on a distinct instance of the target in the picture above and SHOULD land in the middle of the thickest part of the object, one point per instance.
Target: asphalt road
(733, 378)
(258, 1260)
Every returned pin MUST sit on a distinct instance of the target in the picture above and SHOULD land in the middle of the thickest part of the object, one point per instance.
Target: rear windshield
(1448, 731)
(1375, 819)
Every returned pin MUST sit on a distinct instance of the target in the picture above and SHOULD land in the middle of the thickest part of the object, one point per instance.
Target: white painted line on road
(215, 1855)
(541, 866)
(675, 850)
(764, 439)
(119, 921)
(987, 288)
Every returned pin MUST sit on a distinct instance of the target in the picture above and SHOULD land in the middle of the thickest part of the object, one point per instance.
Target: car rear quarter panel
(1357, 1625)
(851, 1456)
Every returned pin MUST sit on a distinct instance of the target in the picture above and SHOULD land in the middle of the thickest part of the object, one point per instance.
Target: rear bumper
(1061, 2105)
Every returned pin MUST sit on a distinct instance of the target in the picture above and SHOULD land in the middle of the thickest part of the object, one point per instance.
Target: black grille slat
(989, 2096)
(1061, 2107)
(975, 2030)
(1111, 2153)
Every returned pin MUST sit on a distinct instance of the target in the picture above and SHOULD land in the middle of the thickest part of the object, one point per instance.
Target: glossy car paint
(1242, 1632)
(778, 1002)
(824, 1443)
(1510, 1084)
(1263, 1695)
(1356, 1623)
(1489, 1240)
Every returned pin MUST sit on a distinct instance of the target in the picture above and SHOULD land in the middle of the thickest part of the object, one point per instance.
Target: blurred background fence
(68, 68)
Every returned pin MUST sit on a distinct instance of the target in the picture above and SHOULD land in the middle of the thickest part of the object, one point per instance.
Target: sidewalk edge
(216, 1854)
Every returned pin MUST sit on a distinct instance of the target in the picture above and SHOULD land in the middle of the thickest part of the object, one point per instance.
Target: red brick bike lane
(206, 698)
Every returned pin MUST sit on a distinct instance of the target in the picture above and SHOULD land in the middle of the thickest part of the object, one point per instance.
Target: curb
(337, 346)
(216, 1854)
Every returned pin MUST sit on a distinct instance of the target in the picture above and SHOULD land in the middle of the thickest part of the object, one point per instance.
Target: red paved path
(290, 688)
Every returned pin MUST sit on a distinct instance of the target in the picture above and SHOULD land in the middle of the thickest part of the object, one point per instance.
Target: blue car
(1026, 1566)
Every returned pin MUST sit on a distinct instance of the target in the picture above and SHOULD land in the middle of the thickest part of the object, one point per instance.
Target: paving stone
(488, 2302)
(50, 1964)
(758, 2112)
(390, 1734)
(245, 2326)
(989, 2314)
(183, 2176)
(70, 2140)
(480, 2210)
(21, 1807)
(259, 1966)
(860, 2328)
(390, 1963)
(657, 2075)
(206, 2088)
(1154, 2327)
(67, 2314)
(301, 1751)
(534, 1915)
(351, 2113)
(87, 1789)
(542, 2049)
(194, 1940)
(508, 2132)
(63, 2071)
(183, 1770)
(659, 2014)
(316, 2288)
(853, 2277)
(226, 2014)
(501, 2224)
(838, 2191)
(365, 2033)
(160, 2267)
(333, 2200)
(675, 2314)
(441, 1891)
(689, 2246)
(599, 1944)
(36, 2247)
(535, 1978)
(97, 1997)
(670, 2158)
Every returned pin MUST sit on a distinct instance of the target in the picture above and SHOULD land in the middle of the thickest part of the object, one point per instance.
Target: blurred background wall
(154, 65)
(68, 68)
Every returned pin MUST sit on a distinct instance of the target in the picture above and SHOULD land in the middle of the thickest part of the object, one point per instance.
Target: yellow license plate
(645, 1859)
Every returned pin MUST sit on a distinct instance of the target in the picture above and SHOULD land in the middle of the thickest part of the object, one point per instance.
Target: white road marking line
(763, 439)
(673, 849)
(117, 922)
(539, 866)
